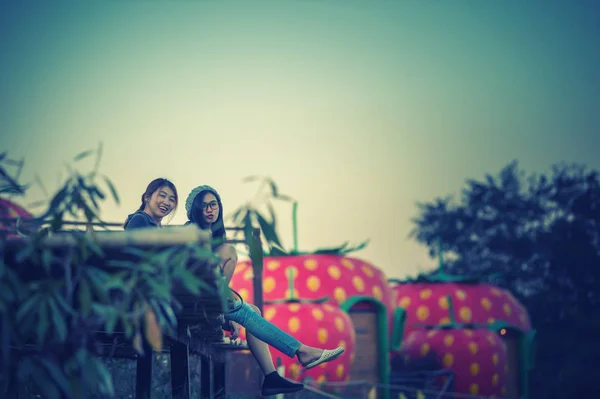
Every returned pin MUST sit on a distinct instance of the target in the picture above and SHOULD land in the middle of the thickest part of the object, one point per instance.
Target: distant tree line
(541, 235)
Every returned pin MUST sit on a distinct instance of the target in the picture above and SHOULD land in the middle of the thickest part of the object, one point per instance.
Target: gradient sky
(357, 109)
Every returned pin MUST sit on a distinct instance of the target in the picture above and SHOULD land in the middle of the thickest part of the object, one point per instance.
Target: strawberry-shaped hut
(479, 331)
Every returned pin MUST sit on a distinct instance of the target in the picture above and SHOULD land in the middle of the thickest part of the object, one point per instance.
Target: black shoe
(275, 384)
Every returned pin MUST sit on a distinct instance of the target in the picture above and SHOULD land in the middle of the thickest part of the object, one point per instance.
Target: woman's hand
(235, 330)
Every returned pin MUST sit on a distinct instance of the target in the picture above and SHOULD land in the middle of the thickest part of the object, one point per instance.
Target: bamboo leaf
(249, 179)
(137, 343)
(112, 189)
(85, 297)
(46, 259)
(136, 252)
(268, 230)
(58, 320)
(42, 324)
(26, 307)
(91, 243)
(153, 332)
(103, 377)
(83, 155)
(274, 189)
(57, 374)
(168, 312)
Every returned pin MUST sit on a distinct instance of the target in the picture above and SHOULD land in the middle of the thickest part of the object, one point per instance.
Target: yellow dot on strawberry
(367, 271)
(339, 294)
(248, 274)
(313, 283)
(339, 324)
(358, 283)
(495, 359)
(473, 347)
(270, 313)
(448, 340)
(317, 314)
(425, 294)
(474, 389)
(311, 264)
(294, 324)
(495, 379)
(404, 302)
(294, 370)
(294, 307)
(347, 264)
(334, 272)
(425, 349)
(465, 314)
(322, 335)
(377, 292)
(448, 360)
(273, 265)
(422, 313)
(486, 304)
(443, 302)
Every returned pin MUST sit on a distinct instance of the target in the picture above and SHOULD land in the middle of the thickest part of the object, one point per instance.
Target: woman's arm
(229, 259)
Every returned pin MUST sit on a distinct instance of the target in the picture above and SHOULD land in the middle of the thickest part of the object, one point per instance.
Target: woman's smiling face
(161, 203)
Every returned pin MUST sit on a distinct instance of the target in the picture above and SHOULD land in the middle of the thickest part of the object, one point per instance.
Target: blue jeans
(263, 329)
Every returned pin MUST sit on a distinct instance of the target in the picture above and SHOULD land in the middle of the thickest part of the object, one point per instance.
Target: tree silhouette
(541, 234)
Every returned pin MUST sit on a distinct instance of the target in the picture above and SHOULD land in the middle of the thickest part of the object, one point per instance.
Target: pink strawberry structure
(477, 357)
(478, 331)
(480, 303)
(336, 277)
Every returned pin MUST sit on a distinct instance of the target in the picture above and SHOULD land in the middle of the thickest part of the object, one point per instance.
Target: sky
(356, 109)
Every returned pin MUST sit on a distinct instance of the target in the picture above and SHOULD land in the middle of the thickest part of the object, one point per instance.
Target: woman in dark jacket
(158, 201)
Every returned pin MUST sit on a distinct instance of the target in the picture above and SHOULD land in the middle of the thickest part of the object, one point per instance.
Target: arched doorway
(369, 316)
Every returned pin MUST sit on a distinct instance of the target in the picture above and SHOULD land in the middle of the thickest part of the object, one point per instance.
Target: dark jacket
(139, 220)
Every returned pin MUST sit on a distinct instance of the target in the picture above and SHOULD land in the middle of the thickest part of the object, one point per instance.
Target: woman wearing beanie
(205, 209)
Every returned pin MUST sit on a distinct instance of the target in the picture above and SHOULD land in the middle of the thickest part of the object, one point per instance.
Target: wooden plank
(143, 375)
(180, 371)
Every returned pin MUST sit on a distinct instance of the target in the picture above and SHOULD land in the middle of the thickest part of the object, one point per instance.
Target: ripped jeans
(263, 329)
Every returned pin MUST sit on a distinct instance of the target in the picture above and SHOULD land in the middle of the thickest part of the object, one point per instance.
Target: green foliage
(250, 215)
(541, 234)
(53, 302)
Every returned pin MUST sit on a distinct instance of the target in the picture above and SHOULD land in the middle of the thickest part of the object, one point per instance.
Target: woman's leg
(260, 350)
(264, 330)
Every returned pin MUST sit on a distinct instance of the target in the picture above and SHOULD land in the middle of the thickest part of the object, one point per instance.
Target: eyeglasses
(212, 205)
